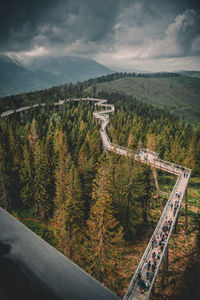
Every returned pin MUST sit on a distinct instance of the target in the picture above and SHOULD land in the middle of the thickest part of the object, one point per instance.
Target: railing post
(153, 290)
(157, 187)
(186, 213)
(165, 264)
(176, 224)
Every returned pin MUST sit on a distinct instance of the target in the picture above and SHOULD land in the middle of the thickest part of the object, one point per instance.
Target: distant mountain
(68, 68)
(44, 72)
(16, 79)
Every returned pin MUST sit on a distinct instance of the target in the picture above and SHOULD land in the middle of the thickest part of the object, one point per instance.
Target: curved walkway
(155, 250)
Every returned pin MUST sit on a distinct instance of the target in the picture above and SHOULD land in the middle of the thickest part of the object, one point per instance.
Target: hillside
(181, 94)
(41, 73)
(68, 68)
(190, 73)
(16, 79)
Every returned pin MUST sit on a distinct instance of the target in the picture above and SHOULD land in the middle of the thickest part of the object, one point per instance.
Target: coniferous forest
(56, 178)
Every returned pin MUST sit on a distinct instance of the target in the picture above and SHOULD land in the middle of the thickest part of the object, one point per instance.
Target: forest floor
(182, 282)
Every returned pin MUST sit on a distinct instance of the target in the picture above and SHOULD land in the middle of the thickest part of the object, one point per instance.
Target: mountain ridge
(44, 72)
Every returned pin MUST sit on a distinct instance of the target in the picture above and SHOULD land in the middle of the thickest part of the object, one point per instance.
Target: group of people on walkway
(145, 275)
(176, 205)
(158, 243)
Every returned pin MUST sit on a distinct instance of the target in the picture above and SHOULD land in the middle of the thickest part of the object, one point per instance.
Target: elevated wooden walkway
(157, 248)
(154, 252)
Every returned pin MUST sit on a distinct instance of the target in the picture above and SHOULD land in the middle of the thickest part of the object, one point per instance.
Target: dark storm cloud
(24, 23)
(186, 32)
(19, 20)
(182, 37)
(116, 32)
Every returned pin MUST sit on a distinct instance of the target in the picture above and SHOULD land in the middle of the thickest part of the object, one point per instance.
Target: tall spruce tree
(4, 197)
(104, 233)
(43, 197)
(27, 176)
(69, 206)
(145, 187)
(61, 184)
(127, 196)
(15, 157)
(74, 214)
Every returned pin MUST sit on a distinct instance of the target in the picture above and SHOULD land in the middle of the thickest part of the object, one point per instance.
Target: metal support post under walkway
(186, 213)
(165, 264)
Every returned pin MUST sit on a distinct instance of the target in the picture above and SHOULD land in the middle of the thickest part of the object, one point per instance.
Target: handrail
(147, 250)
(171, 229)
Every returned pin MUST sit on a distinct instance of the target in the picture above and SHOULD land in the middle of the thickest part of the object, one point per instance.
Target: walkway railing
(148, 251)
(172, 227)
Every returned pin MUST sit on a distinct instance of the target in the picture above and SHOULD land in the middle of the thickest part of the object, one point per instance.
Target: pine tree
(43, 197)
(192, 159)
(69, 205)
(143, 188)
(127, 195)
(14, 161)
(51, 158)
(62, 182)
(27, 175)
(83, 156)
(74, 213)
(88, 176)
(4, 199)
(104, 234)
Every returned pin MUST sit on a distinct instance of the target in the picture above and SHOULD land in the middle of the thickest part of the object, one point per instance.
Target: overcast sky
(152, 35)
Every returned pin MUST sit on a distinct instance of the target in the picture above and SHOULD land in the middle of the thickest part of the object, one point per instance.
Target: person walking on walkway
(147, 274)
(151, 276)
(147, 283)
(157, 239)
(149, 265)
(162, 246)
(146, 264)
(142, 286)
(153, 267)
(174, 212)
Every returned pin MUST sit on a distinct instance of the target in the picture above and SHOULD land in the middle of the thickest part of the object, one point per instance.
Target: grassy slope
(180, 94)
